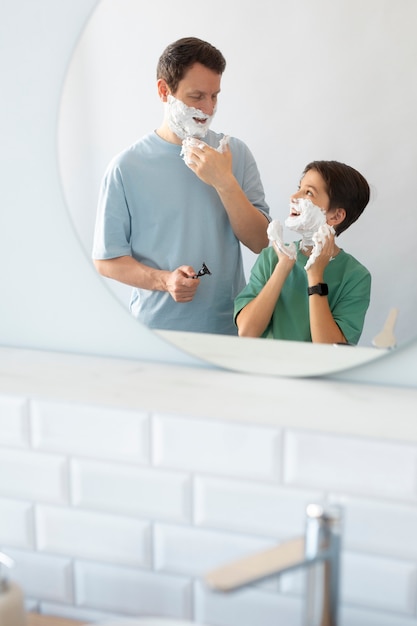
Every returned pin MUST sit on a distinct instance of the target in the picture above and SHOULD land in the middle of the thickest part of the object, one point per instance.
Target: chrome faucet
(318, 551)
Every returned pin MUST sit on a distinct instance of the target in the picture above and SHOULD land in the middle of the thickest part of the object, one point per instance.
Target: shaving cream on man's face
(305, 218)
(182, 119)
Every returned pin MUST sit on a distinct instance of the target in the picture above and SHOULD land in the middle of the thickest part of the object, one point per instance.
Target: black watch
(321, 289)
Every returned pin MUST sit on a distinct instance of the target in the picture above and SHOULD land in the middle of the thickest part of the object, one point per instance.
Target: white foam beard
(308, 220)
(180, 118)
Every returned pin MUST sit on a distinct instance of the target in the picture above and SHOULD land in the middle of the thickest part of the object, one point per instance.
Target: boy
(312, 290)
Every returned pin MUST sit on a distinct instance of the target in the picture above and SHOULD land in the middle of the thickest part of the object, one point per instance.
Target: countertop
(317, 404)
(35, 619)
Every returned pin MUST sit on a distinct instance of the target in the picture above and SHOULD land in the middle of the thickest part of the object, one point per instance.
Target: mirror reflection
(315, 81)
(180, 194)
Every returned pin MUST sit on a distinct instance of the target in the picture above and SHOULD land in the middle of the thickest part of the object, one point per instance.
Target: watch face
(321, 289)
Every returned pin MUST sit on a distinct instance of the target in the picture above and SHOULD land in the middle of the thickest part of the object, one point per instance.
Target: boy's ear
(336, 216)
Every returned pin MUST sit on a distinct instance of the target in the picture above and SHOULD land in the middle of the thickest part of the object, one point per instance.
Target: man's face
(191, 109)
(199, 89)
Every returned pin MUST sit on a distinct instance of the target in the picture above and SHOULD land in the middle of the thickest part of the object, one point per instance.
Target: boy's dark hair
(346, 187)
(179, 56)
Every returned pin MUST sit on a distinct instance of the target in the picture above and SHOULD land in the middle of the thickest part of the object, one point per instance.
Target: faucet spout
(282, 558)
(320, 547)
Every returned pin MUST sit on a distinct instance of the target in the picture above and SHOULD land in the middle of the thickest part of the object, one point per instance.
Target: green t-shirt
(349, 295)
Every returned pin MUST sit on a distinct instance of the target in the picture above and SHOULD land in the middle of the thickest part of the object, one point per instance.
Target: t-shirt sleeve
(247, 173)
(349, 313)
(113, 224)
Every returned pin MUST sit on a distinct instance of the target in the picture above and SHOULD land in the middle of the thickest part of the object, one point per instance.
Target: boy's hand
(323, 248)
(274, 232)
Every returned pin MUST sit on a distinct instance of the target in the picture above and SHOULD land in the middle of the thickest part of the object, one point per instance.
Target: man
(180, 197)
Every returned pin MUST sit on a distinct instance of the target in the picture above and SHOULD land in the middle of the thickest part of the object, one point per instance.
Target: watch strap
(321, 289)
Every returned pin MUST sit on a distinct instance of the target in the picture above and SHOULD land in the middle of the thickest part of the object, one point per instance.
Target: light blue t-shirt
(154, 208)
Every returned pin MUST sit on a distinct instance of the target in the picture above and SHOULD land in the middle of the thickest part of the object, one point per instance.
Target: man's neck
(164, 132)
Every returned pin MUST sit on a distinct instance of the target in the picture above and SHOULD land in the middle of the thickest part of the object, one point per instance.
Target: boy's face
(309, 205)
(312, 187)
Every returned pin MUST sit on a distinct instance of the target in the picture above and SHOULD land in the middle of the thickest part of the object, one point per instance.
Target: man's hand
(213, 166)
(182, 283)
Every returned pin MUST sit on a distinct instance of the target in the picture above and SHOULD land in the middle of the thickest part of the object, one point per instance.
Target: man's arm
(215, 169)
(181, 283)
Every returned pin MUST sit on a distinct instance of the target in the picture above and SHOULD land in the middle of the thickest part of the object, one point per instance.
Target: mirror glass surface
(304, 80)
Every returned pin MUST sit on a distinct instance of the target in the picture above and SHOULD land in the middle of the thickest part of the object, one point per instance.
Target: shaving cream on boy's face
(305, 218)
(182, 119)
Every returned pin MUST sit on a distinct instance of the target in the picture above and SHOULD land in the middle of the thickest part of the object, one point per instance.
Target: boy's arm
(256, 315)
(323, 327)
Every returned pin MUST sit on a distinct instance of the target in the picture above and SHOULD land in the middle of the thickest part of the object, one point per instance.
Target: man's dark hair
(346, 187)
(179, 56)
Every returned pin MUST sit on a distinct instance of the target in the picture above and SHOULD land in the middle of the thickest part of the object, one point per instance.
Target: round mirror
(304, 81)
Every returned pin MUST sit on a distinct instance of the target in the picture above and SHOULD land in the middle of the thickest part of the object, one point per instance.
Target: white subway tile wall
(211, 446)
(16, 524)
(350, 464)
(88, 535)
(192, 552)
(115, 513)
(76, 431)
(14, 421)
(109, 487)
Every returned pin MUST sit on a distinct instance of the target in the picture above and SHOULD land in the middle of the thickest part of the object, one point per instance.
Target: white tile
(14, 427)
(16, 524)
(249, 506)
(294, 582)
(216, 447)
(381, 527)
(246, 607)
(93, 431)
(379, 583)
(43, 577)
(131, 592)
(33, 476)
(85, 616)
(131, 490)
(194, 552)
(350, 464)
(95, 536)
(350, 616)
